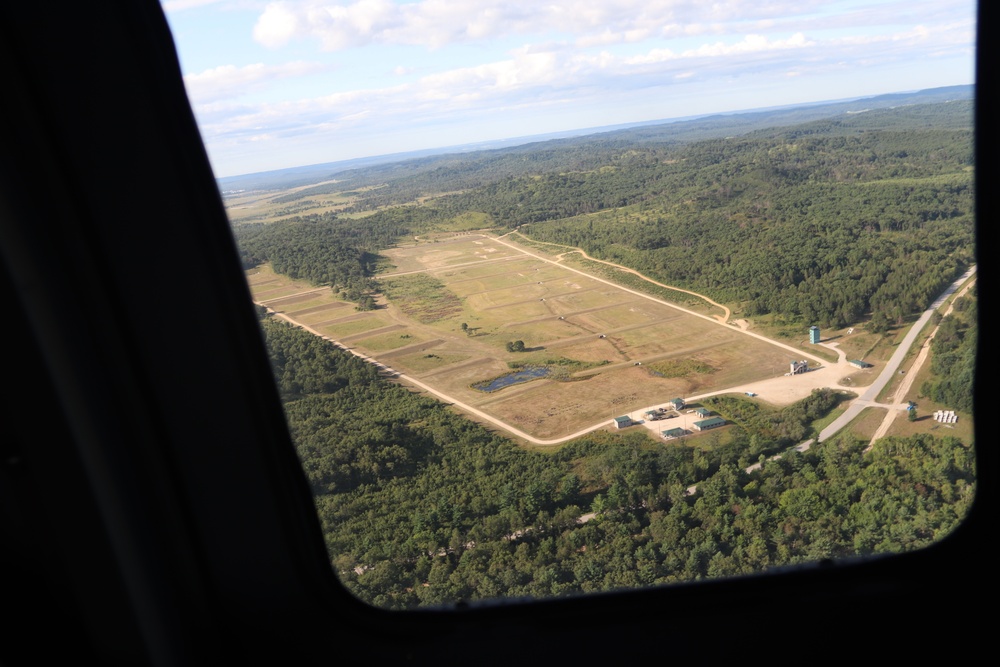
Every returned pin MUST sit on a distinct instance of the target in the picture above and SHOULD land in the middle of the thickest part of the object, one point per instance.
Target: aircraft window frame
(204, 569)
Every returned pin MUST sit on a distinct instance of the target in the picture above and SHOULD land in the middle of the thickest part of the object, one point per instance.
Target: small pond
(523, 375)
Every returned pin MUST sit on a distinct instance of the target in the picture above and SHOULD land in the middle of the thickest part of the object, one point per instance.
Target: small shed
(672, 433)
(622, 422)
(859, 363)
(676, 404)
(702, 412)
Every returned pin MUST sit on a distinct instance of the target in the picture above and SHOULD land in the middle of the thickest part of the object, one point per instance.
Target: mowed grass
(421, 362)
(637, 312)
(324, 312)
(350, 326)
(389, 341)
(550, 409)
(509, 274)
(441, 253)
(560, 315)
(283, 294)
(298, 302)
(863, 426)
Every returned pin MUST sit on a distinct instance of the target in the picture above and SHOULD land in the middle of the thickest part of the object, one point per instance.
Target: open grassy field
(598, 337)
(452, 306)
(268, 286)
(261, 206)
(864, 425)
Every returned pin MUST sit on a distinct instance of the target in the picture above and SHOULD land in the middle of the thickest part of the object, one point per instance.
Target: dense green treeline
(732, 175)
(405, 181)
(773, 430)
(822, 229)
(325, 249)
(863, 216)
(420, 506)
(953, 359)
(504, 182)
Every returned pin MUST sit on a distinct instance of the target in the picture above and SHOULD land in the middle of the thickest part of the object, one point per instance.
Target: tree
(911, 414)
(465, 327)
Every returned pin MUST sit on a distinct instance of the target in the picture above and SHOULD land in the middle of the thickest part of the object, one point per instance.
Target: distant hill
(676, 129)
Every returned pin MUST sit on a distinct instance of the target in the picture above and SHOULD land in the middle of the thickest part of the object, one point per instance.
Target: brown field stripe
(463, 238)
(280, 288)
(410, 349)
(562, 342)
(648, 360)
(316, 309)
(513, 390)
(449, 267)
(254, 283)
(535, 282)
(290, 299)
(552, 298)
(491, 275)
(590, 310)
(373, 332)
(343, 319)
(457, 366)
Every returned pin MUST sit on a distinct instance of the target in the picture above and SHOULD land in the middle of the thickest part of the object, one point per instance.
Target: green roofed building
(622, 422)
(672, 433)
(706, 424)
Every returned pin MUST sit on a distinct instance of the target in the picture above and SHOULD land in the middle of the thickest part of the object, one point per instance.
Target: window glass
(571, 297)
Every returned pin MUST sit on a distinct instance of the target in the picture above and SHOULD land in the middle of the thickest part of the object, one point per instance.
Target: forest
(421, 507)
(953, 359)
(862, 218)
(832, 222)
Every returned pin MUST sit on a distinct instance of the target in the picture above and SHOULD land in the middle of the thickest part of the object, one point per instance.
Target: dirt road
(722, 318)
(778, 391)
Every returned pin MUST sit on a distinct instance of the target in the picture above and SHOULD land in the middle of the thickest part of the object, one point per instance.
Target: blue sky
(297, 82)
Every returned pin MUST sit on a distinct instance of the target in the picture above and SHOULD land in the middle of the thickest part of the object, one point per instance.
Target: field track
(607, 334)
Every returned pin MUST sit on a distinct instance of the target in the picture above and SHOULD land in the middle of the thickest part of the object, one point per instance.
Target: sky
(298, 82)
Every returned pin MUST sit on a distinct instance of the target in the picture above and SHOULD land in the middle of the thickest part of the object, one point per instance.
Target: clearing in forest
(607, 351)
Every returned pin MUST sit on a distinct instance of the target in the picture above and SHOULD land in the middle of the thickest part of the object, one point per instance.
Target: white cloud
(575, 54)
(530, 69)
(436, 23)
(228, 81)
(276, 26)
(533, 77)
(748, 45)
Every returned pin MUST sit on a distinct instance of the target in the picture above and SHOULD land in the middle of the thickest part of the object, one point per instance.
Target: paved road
(904, 387)
(867, 398)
